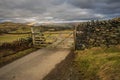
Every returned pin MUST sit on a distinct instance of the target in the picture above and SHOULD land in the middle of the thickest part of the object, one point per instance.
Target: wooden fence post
(74, 33)
(33, 35)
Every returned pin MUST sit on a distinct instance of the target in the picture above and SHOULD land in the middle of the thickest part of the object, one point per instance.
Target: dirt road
(34, 66)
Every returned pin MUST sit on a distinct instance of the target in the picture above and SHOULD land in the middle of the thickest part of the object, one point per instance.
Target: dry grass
(98, 64)
(10, 58)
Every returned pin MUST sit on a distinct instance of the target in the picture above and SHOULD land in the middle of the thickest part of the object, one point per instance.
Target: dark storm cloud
(56, 10)
(99, 6)
(82, 3)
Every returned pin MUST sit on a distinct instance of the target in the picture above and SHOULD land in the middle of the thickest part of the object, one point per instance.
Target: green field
(12, 37)
(56, 34)
(98, 64)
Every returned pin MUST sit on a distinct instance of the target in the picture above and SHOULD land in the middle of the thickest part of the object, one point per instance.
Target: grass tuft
(10, 58)
(98, 63)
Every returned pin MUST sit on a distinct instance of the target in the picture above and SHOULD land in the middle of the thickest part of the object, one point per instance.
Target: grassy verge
(10, 58)
(97, 64)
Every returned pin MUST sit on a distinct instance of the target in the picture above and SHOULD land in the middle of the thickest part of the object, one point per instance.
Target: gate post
(32, 35)
(74, 33)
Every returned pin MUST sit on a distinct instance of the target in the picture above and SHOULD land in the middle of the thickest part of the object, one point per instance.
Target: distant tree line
(55, 27)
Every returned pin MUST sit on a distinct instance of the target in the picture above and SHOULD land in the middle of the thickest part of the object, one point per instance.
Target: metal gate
(52, 39)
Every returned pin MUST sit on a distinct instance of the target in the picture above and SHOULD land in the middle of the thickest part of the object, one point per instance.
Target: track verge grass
(97, 64)
(10, 58)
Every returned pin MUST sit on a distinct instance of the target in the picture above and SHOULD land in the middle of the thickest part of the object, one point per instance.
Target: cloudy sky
(57, 10)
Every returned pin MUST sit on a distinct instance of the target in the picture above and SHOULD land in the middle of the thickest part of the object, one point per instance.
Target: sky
(60, 11)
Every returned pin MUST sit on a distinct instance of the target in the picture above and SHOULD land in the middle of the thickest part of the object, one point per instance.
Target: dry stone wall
(97, 33)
